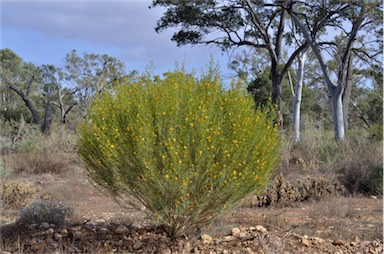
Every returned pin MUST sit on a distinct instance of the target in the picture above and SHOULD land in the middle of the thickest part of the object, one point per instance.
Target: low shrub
(361, 167)
(43, 211)
(15, 194)
(184, 147)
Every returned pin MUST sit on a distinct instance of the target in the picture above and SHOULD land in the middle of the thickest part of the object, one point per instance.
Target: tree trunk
(347, 92)
(28, 103)
(297, 98)
(276, 92)
(337, 108)
(46, 127)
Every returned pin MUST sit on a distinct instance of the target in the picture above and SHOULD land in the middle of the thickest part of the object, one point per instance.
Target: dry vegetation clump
(39, 163)
(310, 189)
(361, 170)
(43, 211)
(36, 153)
(15, 194)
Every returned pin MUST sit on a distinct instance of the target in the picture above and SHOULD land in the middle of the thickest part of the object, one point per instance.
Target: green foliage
(186, 148)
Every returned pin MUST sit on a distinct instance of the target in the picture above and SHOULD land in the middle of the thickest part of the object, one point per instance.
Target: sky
(44, 31)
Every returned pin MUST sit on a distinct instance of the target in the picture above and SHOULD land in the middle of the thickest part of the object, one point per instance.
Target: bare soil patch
(98, 224)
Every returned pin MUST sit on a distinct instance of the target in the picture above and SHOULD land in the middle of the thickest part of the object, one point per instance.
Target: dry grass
(335, 207)
(39, 163)
(16, 194)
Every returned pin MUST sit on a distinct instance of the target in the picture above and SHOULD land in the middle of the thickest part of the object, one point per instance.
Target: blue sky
(42, 32)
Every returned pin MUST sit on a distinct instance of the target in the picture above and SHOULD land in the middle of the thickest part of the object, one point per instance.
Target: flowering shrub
(184, 147)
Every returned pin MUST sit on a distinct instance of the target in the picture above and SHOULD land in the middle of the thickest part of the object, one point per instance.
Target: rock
(317, 240)
(45, 225)
(242, 234)
(373, 197)
(100, 221)
(164, 249)
(58, 237)
(304, 241)
(252, 228)
(49, 231)
(356, 239)
(375, 243)
(235, 231)
(339, 242)
(103, 232)
(206, 239)
(250, 251)
(122, 229)
(64, 232)
(77, 234)
(186, 248)
(261, 229)
(38, 247)
(137, 245)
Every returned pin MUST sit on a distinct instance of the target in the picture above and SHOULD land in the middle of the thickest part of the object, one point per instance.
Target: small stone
(103, 232)
(64, 232)
(122, 229)
(252, 228)
(375, 243)
(55, 245)
(235, 231)
(261, 229)
(164, 250)
(242, 234)
(49, 231)
(100, 221)
(339, 242)
(373, 197)
(38, 247)
(45, 225)
(228, 238)
(186, 249)
(305, 241)
(206, 239)
(250, 251)
(317, 240)
(77, 234)
(356, 239)
(58, 237)
(137, 245)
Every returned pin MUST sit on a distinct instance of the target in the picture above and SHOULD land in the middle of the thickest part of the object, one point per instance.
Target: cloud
(124, 27)
(115, 23)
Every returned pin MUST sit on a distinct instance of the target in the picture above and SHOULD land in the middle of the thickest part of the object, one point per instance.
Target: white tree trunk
(337, 108)
(297, 97)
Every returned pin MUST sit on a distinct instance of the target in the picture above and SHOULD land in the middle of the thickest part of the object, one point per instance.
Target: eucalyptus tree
(88, 75)
(350, 17)
(22, 78)
(232, 24)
